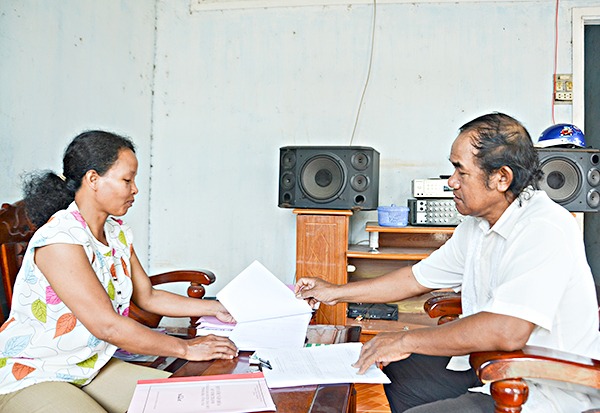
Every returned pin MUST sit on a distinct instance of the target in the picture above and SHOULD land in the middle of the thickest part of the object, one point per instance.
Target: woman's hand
(209, 348)
(222, 314)
(315, 290)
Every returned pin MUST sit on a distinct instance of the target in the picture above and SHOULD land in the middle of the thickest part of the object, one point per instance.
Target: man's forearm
(395, 286)
(479, 332)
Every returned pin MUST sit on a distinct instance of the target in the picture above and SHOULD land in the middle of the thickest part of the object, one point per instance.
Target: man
(520, 262)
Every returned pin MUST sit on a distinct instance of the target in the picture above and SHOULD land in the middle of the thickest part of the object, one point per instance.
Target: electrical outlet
(563, 89)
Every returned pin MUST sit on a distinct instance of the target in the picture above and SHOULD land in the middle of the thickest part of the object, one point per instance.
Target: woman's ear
(90, 179)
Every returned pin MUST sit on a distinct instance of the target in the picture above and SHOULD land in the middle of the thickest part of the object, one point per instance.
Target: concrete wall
(232, 87)
(70, 66)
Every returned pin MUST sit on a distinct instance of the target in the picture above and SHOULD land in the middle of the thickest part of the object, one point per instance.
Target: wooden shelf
(388, 253)
(323, 251)
(370, 328)
(411, 315)
(375, 227)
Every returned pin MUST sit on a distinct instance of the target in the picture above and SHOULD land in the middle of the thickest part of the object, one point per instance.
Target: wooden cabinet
(321, 244)
(323, 251)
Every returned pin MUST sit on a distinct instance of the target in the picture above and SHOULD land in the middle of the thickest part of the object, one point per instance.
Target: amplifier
(431, 188)
(433, 212)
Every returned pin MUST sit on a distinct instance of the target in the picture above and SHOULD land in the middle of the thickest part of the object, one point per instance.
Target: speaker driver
(593, 177)
(322, 178)
(359, 161)
(359, 182)
(593, 198)
(561, 179)
(288, 180)
(288, 160)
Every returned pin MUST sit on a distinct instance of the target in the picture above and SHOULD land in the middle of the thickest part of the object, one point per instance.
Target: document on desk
(267, 312)
(227, 393)
(317, 365)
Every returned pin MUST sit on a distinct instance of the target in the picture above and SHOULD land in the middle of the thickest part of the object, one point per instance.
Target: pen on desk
(265, 363)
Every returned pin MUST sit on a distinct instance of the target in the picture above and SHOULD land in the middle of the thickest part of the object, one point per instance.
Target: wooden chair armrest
(447, 307)
(536, 363)
(196, 278)
(200, 277)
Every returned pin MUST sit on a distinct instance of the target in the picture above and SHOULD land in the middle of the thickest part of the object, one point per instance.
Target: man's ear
(90, 179)
(505, 178)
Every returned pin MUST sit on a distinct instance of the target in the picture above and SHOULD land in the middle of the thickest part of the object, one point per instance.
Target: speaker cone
(322, 178)
(288, 160)
(593, 177)
(593, 198)
(359, 182)
(562, 180)
(359, 161)
(288, 180)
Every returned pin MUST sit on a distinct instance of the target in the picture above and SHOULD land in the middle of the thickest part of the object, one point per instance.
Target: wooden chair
(506, 370)
(15, 232)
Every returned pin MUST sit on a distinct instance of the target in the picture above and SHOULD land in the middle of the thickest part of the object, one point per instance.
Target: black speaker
(571, 177)
(329, 177)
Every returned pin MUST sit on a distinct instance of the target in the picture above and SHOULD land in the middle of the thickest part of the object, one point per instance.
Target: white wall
(231, 87)
(70, 66)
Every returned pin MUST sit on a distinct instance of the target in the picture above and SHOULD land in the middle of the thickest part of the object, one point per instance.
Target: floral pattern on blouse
(42, 340)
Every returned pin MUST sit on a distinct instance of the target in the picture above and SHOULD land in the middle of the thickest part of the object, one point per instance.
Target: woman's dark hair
(46, 192)
(500, 141)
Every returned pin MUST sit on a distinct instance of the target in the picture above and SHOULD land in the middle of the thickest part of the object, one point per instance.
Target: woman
(71, 297)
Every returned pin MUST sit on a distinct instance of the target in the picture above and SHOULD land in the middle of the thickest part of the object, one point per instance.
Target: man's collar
(510, 216)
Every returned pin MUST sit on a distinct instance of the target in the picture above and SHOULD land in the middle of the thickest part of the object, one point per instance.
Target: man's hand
(315, 290)
(382, 349)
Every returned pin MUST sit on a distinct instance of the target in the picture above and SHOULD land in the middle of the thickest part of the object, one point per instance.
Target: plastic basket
(392, 216)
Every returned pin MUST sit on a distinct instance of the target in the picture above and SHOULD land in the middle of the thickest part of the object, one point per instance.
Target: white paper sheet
(256, 294)
(317, 365)
(282, 332)
(230, 393)
(267, 312)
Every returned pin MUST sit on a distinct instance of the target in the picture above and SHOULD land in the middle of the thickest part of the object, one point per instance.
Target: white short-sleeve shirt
(531, 264)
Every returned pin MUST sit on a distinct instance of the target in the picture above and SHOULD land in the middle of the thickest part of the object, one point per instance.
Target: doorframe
(582, 16)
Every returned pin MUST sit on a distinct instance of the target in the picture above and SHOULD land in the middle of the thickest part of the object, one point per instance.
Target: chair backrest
(16, 229)
(11, 258)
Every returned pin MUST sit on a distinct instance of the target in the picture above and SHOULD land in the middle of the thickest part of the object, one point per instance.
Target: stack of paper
(267, 312)
(212, 325)
(211, 322)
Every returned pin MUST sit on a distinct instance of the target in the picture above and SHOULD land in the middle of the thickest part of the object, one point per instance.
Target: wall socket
(563, 89)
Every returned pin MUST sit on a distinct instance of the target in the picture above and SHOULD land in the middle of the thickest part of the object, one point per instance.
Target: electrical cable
(368, 72)
(555, 61)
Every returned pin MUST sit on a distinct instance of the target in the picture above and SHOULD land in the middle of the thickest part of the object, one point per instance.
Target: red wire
(555, 61)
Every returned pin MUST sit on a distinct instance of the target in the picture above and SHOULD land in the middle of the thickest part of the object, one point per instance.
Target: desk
(334, 398)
